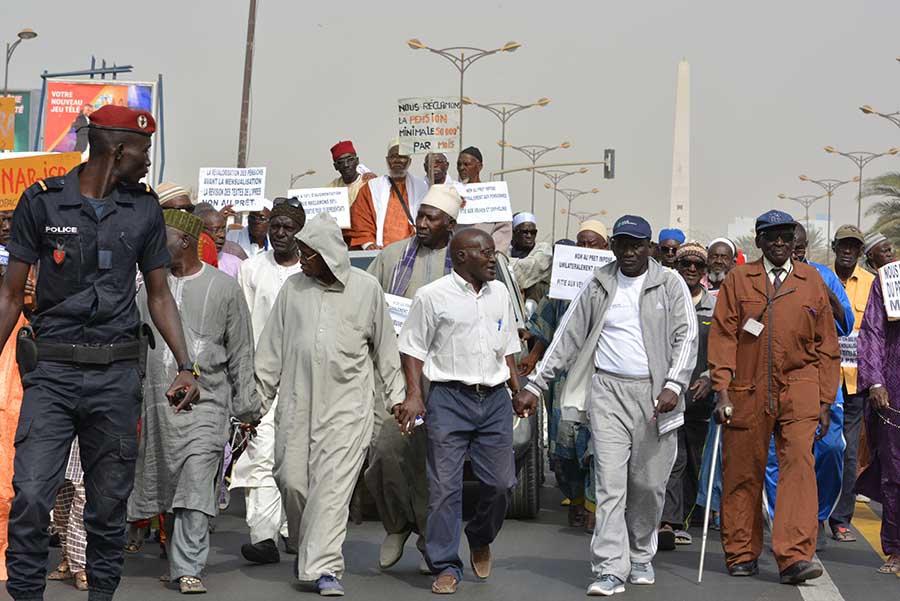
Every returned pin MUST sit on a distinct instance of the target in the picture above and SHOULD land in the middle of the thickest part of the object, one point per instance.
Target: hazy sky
(773, 82)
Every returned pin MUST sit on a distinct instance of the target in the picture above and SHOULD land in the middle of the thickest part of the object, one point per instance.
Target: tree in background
(887, 210)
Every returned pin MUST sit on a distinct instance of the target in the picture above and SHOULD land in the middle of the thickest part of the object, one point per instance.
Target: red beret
(340, 148)
(122, 118)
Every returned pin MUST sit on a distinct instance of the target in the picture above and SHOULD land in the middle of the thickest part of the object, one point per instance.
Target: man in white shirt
(629, 343)
(461, 335)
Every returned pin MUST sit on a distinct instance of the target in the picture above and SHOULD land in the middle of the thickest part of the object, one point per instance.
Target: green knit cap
(183, 222)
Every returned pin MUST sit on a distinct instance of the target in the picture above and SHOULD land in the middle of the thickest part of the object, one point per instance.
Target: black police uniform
(86, 381)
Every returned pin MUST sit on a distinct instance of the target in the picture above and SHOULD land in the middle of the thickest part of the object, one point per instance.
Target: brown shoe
(481, 561)
(445, 584)
(590, 521)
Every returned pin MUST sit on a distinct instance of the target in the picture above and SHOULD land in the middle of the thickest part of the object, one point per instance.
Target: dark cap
(849, 232)
(773, 218)
(471, 150)
(632, 225)
(122, 118)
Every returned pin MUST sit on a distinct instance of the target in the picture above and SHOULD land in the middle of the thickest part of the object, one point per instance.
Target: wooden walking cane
(709, 487)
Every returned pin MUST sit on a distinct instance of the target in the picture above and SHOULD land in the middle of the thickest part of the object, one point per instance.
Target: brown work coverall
(779, 379)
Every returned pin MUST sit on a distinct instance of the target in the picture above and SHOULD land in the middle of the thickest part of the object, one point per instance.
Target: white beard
(716, 277)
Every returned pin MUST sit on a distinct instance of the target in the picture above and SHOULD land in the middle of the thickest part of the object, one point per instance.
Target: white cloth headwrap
(524, 217)
(726, 242)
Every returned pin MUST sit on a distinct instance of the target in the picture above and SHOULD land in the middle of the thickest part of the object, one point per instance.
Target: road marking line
(822, 588)
(868, 524)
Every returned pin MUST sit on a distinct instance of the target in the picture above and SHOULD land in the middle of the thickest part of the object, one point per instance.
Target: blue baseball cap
(632, 225)
(773, 218)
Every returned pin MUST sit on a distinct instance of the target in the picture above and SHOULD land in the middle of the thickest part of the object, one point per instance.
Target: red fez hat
(340, 148)
(122, 118)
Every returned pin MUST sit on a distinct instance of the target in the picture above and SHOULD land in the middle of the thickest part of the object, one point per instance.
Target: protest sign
(428, 124)
(848, 349)
(890, 289)
(325, 200)
(487, 202)
(20, 170)
(243, 189)
(7, 123)
(572, 267)
(398, 308)
(69, 104)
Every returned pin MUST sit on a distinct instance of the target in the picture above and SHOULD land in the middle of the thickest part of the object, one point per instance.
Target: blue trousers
(461, 422)
(101, 406)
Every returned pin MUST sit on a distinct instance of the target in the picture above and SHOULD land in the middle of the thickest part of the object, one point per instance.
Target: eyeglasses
(668, 250)
(687, 264)
(773, 235)
(291, 202)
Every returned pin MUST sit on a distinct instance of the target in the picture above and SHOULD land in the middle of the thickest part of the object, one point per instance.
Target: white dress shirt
(788, 267)
(461, 335)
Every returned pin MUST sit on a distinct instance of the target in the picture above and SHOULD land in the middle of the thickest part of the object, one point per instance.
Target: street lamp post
(534, 152)
(457, 55)
(829, 186)
(861, 159)
(806, 201)
(583, 216)
(294, 178)
(555, 176)
(25, 34)
(892, 117)
(504, 111)
(571, 194)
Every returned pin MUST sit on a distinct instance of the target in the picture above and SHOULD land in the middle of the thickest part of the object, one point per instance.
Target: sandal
(842, 534)
(891, 566)
(190, 585)
(683, 538)
(62, 572)
(81, 582)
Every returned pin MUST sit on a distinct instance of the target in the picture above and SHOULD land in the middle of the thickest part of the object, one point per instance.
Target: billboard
(23, 120)
(69, 104)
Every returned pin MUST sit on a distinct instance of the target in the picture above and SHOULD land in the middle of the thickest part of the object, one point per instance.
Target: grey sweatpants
(188, 544)
(632, 467)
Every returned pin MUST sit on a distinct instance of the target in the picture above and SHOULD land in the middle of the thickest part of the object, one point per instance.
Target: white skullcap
(523, 217)
(444, 197)
(404, 147)
(726, 242)
(592, 225)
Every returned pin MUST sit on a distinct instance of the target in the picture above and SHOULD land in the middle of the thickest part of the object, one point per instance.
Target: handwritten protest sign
(572, 267)
(890, 289)
(398, 308)
(487, 202)
(428, 124)
(325, 200)
(243, 189)
(848, 349)
(17, 172)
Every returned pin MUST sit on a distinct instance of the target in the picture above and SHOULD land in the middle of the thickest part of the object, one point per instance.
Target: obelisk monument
(680, 209)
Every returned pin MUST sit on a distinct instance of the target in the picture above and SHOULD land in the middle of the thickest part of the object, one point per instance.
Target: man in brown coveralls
(774, 360)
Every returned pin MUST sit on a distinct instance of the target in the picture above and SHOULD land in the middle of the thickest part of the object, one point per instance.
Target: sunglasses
(291, 202)
(773, 235)
(668, 250)
(687, 264)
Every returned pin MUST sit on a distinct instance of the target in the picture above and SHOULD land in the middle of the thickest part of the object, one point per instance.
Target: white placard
(890, 289)
(848, 349)
(243, 189)
(487, 202)
(325, 200)
(572, 267)
(398, 308)
(428, 124)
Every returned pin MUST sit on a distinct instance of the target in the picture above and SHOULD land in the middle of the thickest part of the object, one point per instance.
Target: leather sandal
(81, 581)
(891, 566)
(191, 585)
(842, 534)
(62, 572)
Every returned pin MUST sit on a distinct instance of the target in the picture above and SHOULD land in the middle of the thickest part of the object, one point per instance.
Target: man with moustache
(436, 168)
(531, 262)
(469, 165)
(878, 252)
(346, 163)
(215, 226)
(721, 253)
(253, 238)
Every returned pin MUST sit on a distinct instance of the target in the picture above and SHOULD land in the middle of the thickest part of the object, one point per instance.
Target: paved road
(541, 560)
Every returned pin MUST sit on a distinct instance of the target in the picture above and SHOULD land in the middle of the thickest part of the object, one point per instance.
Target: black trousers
(102, 407)
(853, 416)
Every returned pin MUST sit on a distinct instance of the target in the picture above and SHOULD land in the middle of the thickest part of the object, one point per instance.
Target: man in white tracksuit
(629, 344)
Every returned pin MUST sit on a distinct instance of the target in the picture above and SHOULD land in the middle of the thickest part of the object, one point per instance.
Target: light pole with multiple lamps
(806, 201)
(294, 178)
(861, 159)
(829, 186)
(555, 176)
(462, 58)
(892, 117)
(534, 152)
(583, 216)
(25, 34)
(504, 111)
(571, 194)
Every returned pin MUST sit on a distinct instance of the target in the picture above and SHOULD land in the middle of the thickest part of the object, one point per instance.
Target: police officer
(89, 230)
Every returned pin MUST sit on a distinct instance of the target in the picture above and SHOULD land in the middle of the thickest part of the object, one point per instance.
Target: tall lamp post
(571, 194)
(892, 117)
(25, 34)
(504, 111)
(534, 152)
(462, 58)
(806, 201)
(861, 159)
(829, 186)
(583, 216)
(555, 176)
(294, 178)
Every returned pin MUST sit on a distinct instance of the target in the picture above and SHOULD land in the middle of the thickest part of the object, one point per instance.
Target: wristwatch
(191, 367)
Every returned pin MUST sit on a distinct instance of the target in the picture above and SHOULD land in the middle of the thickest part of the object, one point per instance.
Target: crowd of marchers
(154, 360)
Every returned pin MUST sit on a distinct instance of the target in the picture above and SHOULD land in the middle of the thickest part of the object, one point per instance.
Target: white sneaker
(608, 585)
(392, 549)
(642, 573)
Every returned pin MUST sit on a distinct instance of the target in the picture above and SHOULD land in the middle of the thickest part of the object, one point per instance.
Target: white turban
(523, 217)
(726, 242)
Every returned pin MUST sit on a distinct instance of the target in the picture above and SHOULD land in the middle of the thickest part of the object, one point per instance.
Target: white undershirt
(620, 349)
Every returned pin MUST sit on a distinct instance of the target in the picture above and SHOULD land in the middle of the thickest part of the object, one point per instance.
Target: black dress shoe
(744, 569)
(800, 572)
(262, 552)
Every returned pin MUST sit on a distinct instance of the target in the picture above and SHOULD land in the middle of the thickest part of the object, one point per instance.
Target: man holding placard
(396, 474)
(469, 165)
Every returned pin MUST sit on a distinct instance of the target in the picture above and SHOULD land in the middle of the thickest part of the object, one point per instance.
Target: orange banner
(7, 123)
(16, 174)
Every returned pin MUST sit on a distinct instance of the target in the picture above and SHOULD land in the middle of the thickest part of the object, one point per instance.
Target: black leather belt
(478, 389)
(88, 354)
